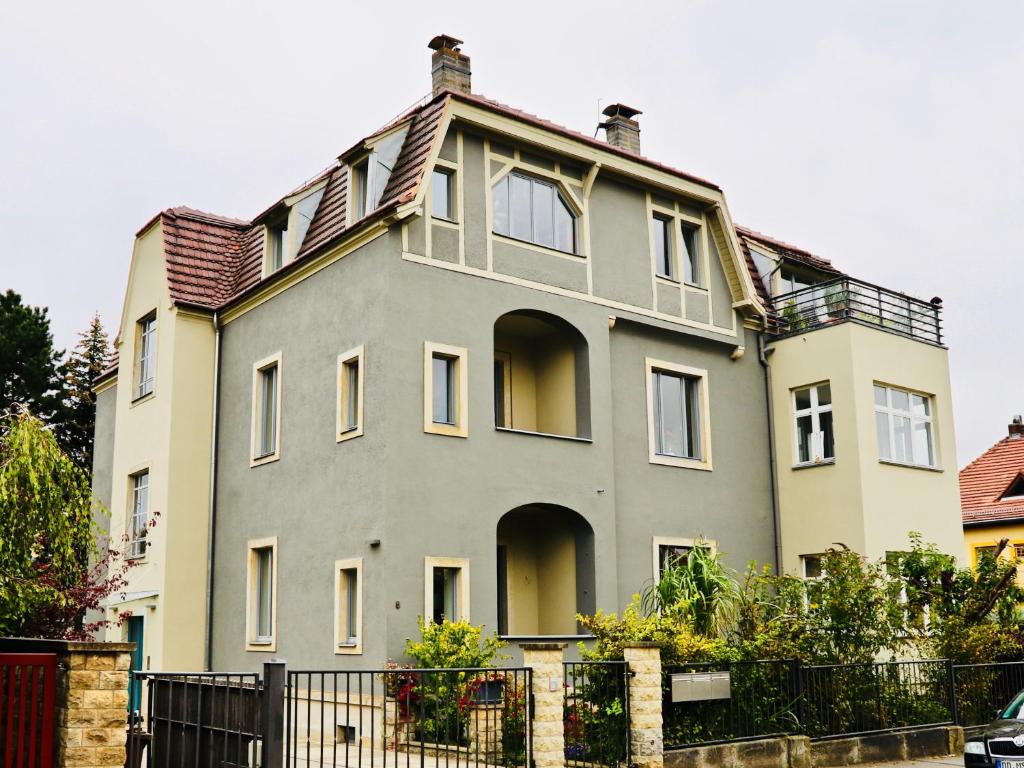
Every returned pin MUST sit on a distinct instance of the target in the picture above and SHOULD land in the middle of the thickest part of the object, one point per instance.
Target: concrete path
(924, 762)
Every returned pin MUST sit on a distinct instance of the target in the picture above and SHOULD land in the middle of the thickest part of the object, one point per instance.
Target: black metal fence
(848, 300)
(596, 713)
(199, 720)
(981, 689)
(708, 703)
(852, 699)
(398, 717)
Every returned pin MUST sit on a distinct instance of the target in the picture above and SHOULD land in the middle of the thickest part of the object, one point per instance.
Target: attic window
(287, 230)
(277, 244)
(1015, 489)
(360, 186)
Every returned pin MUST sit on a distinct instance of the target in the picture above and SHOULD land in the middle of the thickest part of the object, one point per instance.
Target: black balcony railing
(847, 300)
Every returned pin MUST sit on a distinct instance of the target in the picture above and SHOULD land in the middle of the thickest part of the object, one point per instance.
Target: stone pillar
(91, 699)
(645, 701)
(545, 659)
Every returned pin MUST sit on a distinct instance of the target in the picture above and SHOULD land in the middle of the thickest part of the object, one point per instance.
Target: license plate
(1009, 763)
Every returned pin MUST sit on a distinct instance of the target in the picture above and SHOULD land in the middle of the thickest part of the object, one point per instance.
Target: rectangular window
(903, 422)
(266, 410)
(277, 245)
(677, 414)
(691, 255)
(262, 598)
(663, 266)
(812, 409)
(138, 522)
(442, 194)
(350, 394)
(146, 358)
(348, 609)
(360, 189)
(445, 390)
(674, 550)
(446, 589)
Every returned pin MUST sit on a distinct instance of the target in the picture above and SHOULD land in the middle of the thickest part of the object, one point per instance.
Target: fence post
(645, 701)
(952, 692)
(548, 693)
(272, 714)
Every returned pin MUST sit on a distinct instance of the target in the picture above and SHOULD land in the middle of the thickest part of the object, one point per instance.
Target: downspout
(212, 513)
(762, 358)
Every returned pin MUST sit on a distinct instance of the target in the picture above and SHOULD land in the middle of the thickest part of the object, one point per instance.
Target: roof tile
(984, 480)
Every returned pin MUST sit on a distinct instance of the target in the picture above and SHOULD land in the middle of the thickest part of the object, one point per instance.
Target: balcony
(846, 300)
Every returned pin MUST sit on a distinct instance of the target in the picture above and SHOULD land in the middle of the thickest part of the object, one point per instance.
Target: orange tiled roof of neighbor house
(985, 481)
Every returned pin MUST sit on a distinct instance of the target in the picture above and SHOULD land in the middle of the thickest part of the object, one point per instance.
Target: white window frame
(652, 366)
(255, 457)
(450, 173)
(697, 263)
(345, 430)
(145, 356)
(429, 564)
(280, 224)
(136, 546)
(460, 356)
(359, 187)
(668, 224)
(890, 413)
(252, 641)
(657, 542)
(347, 643)
(560, 193)
(817, 435)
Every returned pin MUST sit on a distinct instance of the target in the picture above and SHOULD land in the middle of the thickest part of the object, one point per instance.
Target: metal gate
(398, 717)
(27, 709)
(596, 713)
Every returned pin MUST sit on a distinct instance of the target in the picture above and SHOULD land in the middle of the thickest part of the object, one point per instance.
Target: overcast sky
(885, 136)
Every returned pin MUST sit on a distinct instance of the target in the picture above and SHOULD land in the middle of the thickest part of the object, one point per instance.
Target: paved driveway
(930, 762)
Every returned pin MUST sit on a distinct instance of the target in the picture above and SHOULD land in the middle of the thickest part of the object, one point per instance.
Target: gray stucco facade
(398, 494)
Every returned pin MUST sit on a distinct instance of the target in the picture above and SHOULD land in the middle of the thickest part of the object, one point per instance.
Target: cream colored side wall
(901, 499)
(818, 505)
(142, 436)
(189, 493)
(989, 536)
(859, 501)
(556, 387)
(541, 579)
(168, 433)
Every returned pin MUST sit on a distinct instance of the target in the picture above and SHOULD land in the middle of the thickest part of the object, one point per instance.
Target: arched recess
(545, 570)
(541, 375)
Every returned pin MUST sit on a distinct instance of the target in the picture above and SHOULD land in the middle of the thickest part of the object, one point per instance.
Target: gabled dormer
(1015, 490)
(370, 164)
(286, 224)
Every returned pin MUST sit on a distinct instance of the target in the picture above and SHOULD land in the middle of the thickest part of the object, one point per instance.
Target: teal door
(134, 687)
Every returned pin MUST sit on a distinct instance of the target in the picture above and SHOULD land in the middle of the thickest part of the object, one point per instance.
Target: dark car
(1001, 744)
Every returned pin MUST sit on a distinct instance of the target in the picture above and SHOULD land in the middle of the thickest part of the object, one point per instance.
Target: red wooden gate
(27, 709)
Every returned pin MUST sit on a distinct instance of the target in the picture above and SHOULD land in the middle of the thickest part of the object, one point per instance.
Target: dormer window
(277, 244)
(534, 210)
(1015, 490)
(360, 189)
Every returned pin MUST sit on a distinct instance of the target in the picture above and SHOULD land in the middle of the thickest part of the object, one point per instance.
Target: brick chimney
(620, 129)
(1017, 428)
(449, 67)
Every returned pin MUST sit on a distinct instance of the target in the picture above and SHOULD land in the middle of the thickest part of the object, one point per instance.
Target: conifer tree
(77, 420)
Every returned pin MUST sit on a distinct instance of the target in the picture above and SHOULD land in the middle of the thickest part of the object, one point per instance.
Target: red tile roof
(791, 252)
(984, 480)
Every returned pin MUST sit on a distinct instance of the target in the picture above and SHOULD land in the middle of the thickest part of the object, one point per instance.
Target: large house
(486, 367)
(992, 497)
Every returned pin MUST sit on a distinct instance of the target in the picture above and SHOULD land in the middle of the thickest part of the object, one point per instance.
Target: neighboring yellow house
(992, 496)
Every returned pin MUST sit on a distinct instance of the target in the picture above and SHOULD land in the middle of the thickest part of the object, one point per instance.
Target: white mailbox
(701, 686)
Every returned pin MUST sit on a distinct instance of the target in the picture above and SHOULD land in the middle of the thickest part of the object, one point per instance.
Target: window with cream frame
(445, 390)
(678, 415)
(348, 606)
(350, 394)
(678, 246)
(285, 229)
(266, 411)
(445, 588)
(665, 548)
(261, 595)
(443, 193)
(145, 356)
